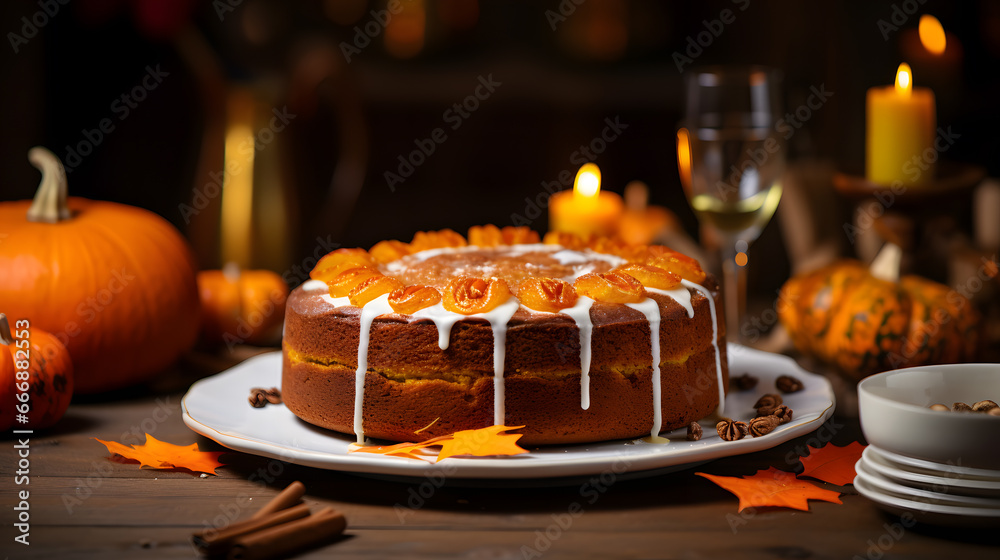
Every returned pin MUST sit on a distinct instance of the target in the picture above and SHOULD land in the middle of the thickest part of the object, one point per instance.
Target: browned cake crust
(411, 383)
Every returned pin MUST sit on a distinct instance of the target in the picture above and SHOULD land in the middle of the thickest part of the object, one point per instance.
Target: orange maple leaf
(831, 463)
(481, 442)
(772, 487)
(162, 455)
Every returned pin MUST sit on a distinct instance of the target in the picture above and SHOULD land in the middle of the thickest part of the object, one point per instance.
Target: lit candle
(900, 132)
(586, 209)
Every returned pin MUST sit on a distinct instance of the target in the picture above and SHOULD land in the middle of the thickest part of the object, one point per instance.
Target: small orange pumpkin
(241, 306)
(47, 382)
(115, 283)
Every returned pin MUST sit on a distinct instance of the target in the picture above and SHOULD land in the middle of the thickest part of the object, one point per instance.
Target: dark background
(606, 59)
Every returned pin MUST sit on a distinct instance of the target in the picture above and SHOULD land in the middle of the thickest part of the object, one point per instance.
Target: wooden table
(83, 505)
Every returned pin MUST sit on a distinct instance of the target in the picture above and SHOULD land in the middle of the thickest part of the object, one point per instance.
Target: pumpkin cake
(410, 341)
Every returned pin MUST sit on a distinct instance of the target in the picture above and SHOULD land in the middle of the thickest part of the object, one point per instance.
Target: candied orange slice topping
(651, 276)
(373, 288)
(485, 236)
(335, 262)
(424, 240)
(568, 240)
(678, 263)
(610, 287)
(344, 282)
(546, 294)
(515, 235)
(411, 299)
(468, 295)
(388, 251)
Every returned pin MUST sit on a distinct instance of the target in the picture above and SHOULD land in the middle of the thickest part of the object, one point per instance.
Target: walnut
(788, 384)
(783, 414)
(984, 406)
(961, 407)
(731, 430)
(744, 382)
(694, 431)
(762, 425)
(767, 403)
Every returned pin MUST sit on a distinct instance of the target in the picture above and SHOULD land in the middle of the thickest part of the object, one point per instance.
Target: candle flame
(237, 185)
(932, 35)
(684, 158)
(588, 182)
(904, 79)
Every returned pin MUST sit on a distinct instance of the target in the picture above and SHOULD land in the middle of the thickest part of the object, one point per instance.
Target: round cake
(409, 341)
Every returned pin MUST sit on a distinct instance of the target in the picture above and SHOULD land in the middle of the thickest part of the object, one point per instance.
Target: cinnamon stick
(288, 537)
(212, 541)
(288, 497)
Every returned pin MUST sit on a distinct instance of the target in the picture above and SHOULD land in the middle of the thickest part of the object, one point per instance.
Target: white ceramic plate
(217, 408)
(935, 469)
(954, 485)
(929, 513)
(942, 496)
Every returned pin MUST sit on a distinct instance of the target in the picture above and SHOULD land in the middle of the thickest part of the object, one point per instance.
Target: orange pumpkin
(241, 306)
(114, 283)
(47, 380)
(863, 324)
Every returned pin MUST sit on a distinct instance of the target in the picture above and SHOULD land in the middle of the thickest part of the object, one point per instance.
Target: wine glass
(731, 158)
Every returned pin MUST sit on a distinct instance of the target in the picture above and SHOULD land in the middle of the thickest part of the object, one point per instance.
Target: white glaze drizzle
(680, 295)
(371, 310)
(443, 319)
(715, 342)
(336, 301)
(498, 319)
(314, 285)
(651, 309)
(580, 313)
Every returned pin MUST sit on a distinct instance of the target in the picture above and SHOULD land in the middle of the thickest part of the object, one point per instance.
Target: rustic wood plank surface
(84, 505)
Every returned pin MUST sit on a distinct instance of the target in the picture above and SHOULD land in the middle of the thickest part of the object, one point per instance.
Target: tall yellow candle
(586, 209)
(900, 132)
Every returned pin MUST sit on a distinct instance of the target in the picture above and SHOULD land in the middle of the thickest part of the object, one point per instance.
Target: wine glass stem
(735, 292)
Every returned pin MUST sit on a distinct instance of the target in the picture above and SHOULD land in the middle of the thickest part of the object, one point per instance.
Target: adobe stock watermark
(914, 169)
(697, 43)
(122, 106)
(786, 126)
(86, 486)
(586, 153)
(31, 25)
(590, 492)
(899, 14)
(364, 35)
(822, 436)
(454, 116)
(90, 308)
(225, 7)
(566, 8)
(201, 197)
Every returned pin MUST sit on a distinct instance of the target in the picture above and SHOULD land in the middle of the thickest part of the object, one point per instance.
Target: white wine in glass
(731, 161)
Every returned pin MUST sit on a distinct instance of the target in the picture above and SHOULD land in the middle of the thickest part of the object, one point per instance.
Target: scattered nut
(783, 414)
(767, 403)
(940, 407)
(985, 406)
(259, 396)
(694, 431)
(961, 407)
(762, 425)
(731, 430)
(744, 382)
(788, 384)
